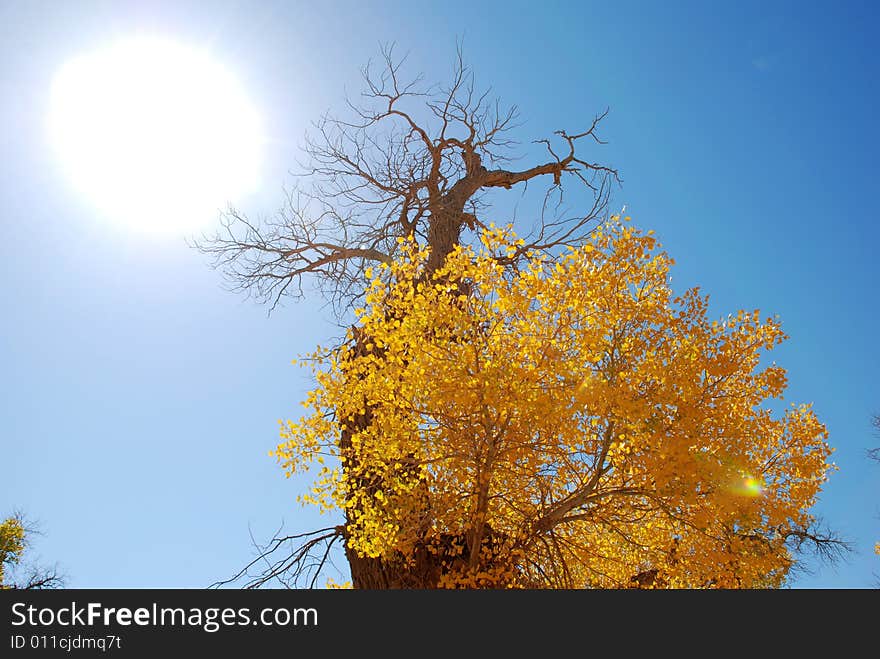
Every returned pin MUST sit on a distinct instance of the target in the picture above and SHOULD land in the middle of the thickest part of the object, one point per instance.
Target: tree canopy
(11, 544)
(14, 539)
(567, 423)
(533, 410)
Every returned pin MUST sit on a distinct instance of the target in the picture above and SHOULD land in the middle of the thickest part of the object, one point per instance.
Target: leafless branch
(406, 160)
(38, 578)
(815, 544)
(291, 560)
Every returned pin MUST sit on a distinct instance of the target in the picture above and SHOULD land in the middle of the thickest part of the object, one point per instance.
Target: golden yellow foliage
(11, 543)
(574, 419)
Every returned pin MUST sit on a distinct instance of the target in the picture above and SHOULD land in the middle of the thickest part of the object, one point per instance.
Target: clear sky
(140, 399)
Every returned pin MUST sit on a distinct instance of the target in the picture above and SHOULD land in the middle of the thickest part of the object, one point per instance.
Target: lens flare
(749, 486)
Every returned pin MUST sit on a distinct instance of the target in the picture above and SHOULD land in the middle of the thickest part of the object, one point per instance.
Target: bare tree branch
(290, 560)
(409, 160)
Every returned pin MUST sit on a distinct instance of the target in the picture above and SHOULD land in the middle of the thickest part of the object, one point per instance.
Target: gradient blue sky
(139, 399)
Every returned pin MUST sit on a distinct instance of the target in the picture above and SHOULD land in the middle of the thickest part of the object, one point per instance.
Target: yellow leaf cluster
(598, 426)
(11, 543)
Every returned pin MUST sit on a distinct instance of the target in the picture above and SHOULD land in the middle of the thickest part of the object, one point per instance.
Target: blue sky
(140, 400)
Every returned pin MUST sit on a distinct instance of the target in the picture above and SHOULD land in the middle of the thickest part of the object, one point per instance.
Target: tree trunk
(434, 557)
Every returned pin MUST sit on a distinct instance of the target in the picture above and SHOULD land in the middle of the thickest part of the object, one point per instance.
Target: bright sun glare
(157, 135)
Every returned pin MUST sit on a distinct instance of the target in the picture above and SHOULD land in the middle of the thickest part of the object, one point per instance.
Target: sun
(156, 135)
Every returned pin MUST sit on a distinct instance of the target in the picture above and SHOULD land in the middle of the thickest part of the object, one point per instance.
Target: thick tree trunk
(377, 574)
(432, 557)
(435, 557)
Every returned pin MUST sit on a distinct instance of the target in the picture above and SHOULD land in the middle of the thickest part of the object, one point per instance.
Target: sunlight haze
(155, 134)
